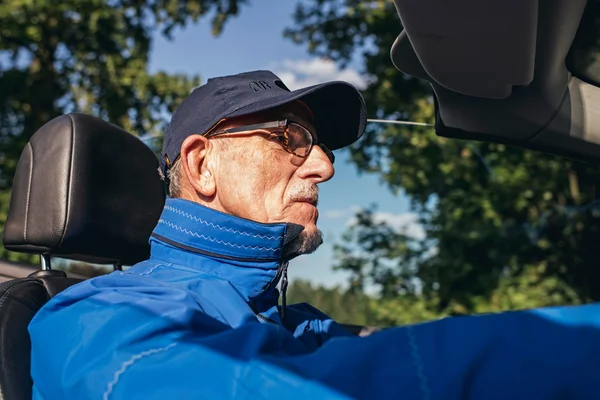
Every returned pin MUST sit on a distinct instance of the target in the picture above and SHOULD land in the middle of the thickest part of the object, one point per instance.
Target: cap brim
(339, 111)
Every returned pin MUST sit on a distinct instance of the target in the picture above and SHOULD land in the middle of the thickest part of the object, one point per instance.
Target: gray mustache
(305, 192)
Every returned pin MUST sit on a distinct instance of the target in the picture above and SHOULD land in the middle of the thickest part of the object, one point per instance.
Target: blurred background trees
(504, 228)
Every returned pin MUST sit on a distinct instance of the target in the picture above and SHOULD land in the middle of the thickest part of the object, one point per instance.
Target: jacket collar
(250, 254)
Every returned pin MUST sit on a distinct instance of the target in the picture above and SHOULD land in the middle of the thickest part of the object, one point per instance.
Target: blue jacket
(199, 320)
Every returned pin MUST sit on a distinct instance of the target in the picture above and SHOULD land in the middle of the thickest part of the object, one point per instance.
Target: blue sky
(252, 41)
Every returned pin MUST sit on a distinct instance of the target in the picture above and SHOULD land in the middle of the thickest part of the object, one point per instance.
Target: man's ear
(194, 160)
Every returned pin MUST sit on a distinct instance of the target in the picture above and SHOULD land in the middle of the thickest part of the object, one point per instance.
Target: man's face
(257, 179)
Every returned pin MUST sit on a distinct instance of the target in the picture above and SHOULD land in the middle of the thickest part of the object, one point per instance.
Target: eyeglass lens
(300, 142)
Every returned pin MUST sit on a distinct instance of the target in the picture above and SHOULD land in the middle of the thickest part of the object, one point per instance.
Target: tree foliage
(89, 56)
(505, 228)
(344, 306)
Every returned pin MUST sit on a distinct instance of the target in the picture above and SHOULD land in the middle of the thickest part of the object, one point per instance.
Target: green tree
(505, 228)
(89, 56)
(344, 306)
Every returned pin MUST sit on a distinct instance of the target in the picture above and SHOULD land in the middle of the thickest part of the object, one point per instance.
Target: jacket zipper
(284, 286)
(282, 273)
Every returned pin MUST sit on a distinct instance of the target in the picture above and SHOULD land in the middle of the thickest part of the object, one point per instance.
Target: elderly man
(242, 158)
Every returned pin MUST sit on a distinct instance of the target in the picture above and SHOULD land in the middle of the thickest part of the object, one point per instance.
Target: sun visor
(473, 47)
(526, 96)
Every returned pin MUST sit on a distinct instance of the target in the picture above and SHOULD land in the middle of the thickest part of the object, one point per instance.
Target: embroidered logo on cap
(259, 85)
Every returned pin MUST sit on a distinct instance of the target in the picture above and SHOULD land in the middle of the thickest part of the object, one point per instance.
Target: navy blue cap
(338, 108)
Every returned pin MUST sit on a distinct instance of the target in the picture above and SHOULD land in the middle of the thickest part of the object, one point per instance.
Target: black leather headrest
(85, 190)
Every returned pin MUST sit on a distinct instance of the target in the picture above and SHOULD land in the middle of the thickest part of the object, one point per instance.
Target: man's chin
(307, 242)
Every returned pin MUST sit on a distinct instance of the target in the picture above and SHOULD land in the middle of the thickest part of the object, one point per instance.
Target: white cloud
(302, 73)
(406, 223)
(339, 213)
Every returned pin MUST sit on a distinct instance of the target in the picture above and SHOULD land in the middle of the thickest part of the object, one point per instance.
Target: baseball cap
(338, 108)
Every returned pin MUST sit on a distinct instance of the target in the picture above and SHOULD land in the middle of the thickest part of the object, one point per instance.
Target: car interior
(519, 72)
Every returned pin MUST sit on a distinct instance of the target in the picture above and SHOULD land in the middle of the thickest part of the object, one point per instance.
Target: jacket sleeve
(130, 345)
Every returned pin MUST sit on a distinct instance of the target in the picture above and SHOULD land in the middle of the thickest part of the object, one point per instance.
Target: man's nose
(317, 167)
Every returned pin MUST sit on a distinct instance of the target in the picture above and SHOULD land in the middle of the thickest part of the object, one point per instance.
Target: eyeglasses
(294, 138)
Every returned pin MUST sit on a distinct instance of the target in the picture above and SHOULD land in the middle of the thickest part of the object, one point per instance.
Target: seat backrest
(85, 190)
(20, 300)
